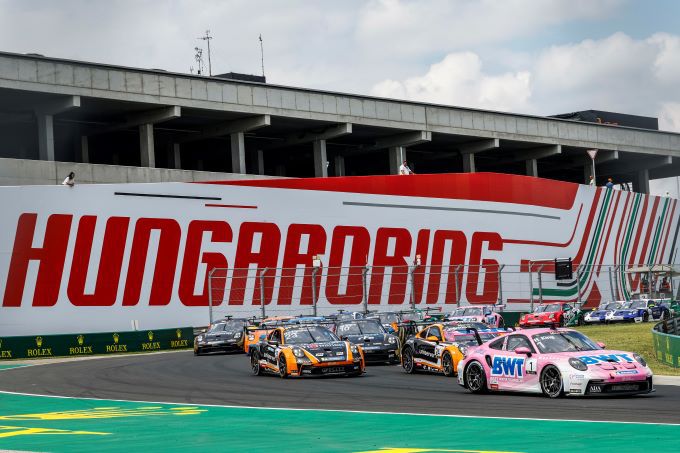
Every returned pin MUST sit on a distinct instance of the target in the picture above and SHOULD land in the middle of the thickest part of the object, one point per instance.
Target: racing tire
(283, 369)
(645, 317)
(407, 360)
(197, 351)
(475, 378)
(551, 382)
(255, 364)
(447, 365)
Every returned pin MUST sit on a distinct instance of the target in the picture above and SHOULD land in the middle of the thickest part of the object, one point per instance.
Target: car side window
(567, 307)
(435, 332)
(518, 341)
(275, 336)
(498, 344)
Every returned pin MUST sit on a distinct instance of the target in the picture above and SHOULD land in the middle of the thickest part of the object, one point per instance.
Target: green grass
(630, 337)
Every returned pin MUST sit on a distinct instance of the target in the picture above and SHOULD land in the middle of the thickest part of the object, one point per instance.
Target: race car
(254, 332)
(549, 314)
(223, 335)
(599, 315)
(306, 350)
(478, 313)
(554, 362)
(640, 311)
(439, 347)
(389, 319)
(376, 343)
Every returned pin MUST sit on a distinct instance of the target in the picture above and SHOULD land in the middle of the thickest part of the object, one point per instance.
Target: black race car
(377, 344)
(225, 335)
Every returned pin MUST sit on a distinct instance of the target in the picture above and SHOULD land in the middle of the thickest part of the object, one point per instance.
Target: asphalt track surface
(220, 379)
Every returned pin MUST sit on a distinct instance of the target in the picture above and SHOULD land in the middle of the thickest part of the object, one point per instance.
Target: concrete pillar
(84, 149)
(339, 164)
(45, 136)
(175, 156)
(146, 150)
(259, 158)
(320, 160)
(642, 181)
(468, 162)
(532, 167)
(397, 155)
(238, 152)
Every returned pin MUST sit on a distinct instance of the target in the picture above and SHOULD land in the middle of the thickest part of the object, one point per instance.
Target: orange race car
(254, 332)
(299, 350)
(439, 347)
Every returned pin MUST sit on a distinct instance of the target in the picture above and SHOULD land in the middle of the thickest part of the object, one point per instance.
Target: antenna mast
(262, 54)
(199, 60)
(207, 38)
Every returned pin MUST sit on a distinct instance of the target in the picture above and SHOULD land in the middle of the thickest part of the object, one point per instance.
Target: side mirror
(602, 345)
(523, 350)
(432, 338)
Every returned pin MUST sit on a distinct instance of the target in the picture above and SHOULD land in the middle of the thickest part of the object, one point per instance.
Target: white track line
(341, 411)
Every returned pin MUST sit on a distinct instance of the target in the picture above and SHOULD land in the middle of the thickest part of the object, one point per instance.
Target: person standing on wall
(610, 183)
(592, 181)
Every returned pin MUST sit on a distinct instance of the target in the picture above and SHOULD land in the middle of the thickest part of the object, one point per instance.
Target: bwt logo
(616, 358)
(507, 366)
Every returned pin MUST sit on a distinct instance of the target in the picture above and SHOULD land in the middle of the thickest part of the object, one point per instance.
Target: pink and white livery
(554, 362)
(487, 314)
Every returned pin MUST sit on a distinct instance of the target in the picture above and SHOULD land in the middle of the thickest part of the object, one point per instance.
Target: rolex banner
(43, 346)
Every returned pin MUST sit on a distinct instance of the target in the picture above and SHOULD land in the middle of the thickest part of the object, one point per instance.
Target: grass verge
(630, 337)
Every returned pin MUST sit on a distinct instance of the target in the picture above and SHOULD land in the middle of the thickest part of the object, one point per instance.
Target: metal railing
(309, 290)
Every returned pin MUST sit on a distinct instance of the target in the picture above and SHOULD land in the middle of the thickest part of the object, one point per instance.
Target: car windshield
(458, 312)
(638, 304)
(563, 341)
(227, 326)
(612, 306)
(540, 309)
(388, 318)
(457, 325)
(474, 311)
(552, 307)
(308, 334)
(360, 327)
(466, 338)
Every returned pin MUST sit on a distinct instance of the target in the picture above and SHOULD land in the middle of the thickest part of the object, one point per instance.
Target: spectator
(592, 181)
(404, 169)
(610, 183)
(70, 180)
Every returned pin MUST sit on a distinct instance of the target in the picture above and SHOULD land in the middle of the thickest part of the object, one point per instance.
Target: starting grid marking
(40, 423)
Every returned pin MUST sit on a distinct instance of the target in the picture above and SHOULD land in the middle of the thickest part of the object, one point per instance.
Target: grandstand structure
(112, 124)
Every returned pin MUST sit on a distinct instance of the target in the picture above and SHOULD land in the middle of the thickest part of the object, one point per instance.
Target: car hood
(605, 359)
(335, 349)
(220, 336)
(367, 338)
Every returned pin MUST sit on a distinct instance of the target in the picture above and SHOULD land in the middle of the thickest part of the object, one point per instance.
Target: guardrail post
(578, 287)
(314, 272)
(262, 301)
(455, 275)
(540, 285)
(500, 284)
(364, 284)
(210, 295)
(413, 287)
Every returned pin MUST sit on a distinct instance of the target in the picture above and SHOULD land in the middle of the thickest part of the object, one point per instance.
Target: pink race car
(488, 314)
(554, 362)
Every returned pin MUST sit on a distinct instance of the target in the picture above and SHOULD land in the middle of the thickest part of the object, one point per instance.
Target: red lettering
(51, 257)
(361, 242)
(166, 261)
(293, 257)
(221, 233)
(266, 256)
(110, 263)
(488, 266)
(397, 261)
(458, 243)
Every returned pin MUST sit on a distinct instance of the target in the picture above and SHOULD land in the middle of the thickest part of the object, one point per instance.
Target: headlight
(640, 360)
(200, 338)
(552, 315)
(463, 350)
(578, 364)
(238, 335)
(354, 349)
(297, 352)
(391, 340)
(251, 337)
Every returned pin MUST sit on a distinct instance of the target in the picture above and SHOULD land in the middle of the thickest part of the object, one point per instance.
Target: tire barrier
(666, 340)
(73, 345)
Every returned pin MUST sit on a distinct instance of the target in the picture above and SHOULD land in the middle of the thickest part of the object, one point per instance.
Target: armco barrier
(667, 342)
(84, 344)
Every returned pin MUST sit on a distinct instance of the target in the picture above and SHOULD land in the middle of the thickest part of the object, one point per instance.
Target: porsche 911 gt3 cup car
(439, 347)
(554, 362)
(306, 350)
(224, 335)
(548, 314)
(478, 313)
(375, 342)
(640, 311)
(389, 319)
(599, 315)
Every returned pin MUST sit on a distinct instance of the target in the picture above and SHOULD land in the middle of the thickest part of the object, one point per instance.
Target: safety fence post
(611, 283)
(531, 286)
(364, 284)
(262, 301)
(413, 286)
(314, 272)
(456, 272)
(210, 295)
(540, 285)
(578, 286)
(500, 284)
